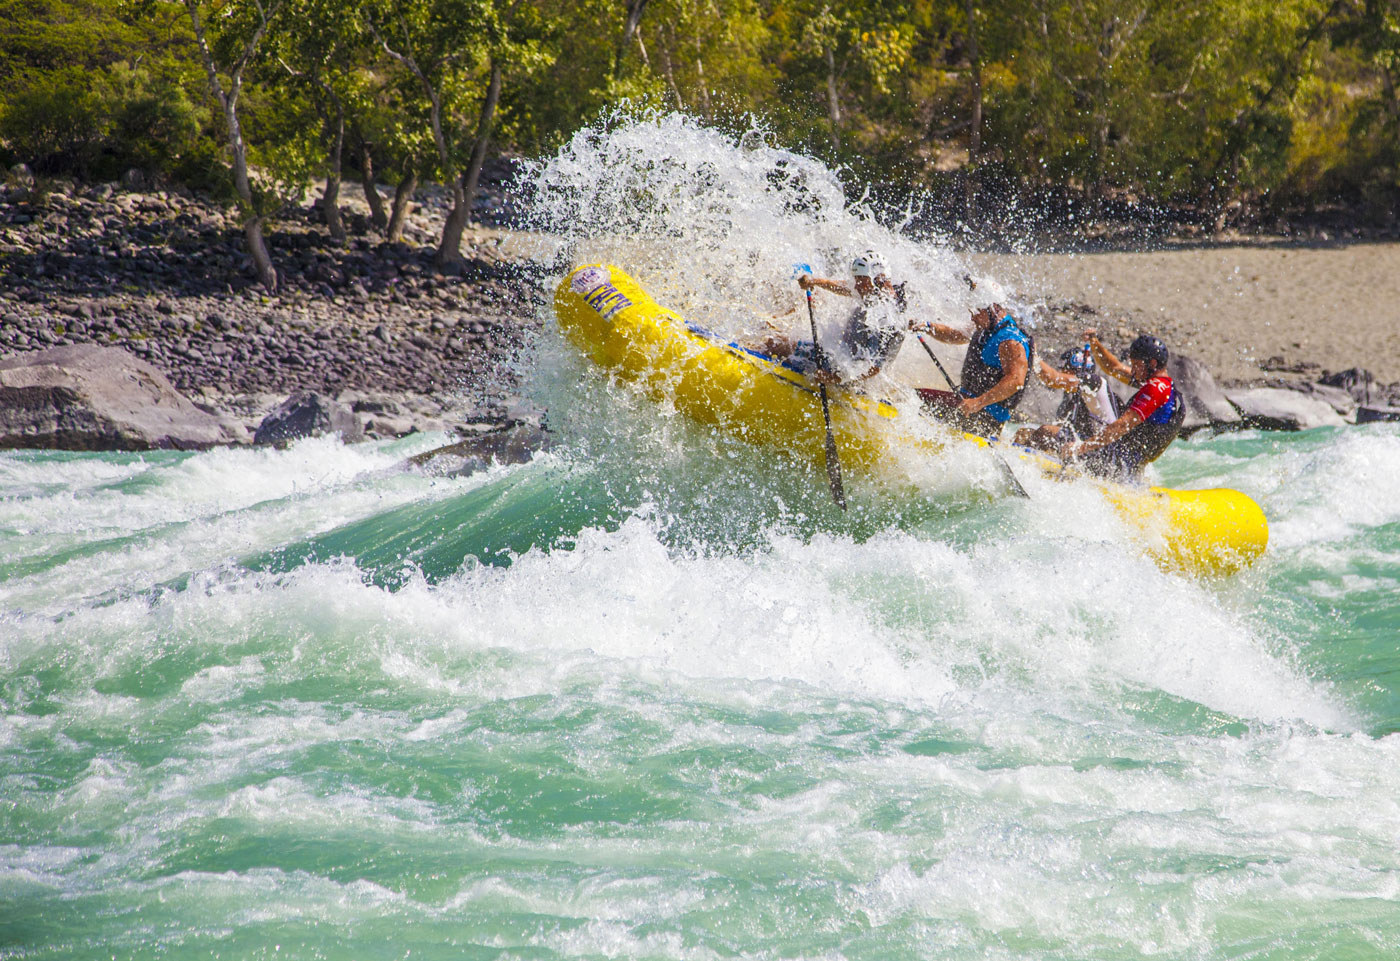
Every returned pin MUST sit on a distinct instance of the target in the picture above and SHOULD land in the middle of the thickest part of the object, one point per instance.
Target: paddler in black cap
(1151, 422)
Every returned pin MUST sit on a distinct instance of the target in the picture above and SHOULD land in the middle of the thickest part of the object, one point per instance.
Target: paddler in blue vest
(871, 336)
(994, 371)
(1151, 421)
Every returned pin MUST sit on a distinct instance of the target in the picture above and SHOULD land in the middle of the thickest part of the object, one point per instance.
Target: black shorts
(942, 405)
(1112, 462)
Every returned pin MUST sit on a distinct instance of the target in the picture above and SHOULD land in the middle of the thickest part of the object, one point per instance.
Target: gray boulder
(308, 414)
(1275, 408)
(86, 397)
(1377, 415)
(1338, 399)
(1206, 403)
(509, 444)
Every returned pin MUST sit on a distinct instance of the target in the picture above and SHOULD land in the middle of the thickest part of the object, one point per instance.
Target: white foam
(714, 230)
(197, 513)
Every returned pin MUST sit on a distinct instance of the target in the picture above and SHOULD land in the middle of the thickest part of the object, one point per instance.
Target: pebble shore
(374, 324)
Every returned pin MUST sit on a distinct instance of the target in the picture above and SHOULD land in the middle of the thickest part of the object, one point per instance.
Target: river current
(650, 695)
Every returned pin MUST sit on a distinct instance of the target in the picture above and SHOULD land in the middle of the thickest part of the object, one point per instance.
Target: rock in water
(307, 414)
(1375, 415)
(86, 397)
(1274, 408)
(1206, 403)
(510, 444)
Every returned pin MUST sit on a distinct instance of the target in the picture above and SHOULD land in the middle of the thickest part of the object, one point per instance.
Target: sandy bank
(1235, 307)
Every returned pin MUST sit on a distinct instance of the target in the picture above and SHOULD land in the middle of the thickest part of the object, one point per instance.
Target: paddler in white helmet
(871, 335)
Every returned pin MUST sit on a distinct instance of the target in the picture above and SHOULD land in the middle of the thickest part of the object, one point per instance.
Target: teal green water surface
(262, 704)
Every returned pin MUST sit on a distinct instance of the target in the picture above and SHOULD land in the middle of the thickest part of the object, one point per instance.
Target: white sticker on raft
(589, 279)
(595, 286)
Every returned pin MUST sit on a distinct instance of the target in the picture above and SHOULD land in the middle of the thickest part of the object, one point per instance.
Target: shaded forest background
(1226, 112)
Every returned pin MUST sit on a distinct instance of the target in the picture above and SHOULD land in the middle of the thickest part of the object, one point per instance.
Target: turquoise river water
(651, 696)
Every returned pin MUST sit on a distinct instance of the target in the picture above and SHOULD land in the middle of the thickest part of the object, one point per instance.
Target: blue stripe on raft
(734, 345)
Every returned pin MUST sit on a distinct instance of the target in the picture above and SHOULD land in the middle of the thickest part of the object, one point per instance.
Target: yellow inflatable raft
(617, 324)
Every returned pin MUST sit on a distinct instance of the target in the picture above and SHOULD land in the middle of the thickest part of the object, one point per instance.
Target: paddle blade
(1016, 486)
(833, 460)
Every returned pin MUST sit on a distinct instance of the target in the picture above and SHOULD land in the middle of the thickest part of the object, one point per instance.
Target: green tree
(319, 49)
(458, 51)
(229, 34)
(94, 86)
(710, 54)
(872, 38)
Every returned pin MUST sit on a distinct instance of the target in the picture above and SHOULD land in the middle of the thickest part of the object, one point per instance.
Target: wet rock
(1337, 398)
(308, 414)
(1276, 408)
(1206, 403)
(513, 444)
(86, 397)
(1378, 414)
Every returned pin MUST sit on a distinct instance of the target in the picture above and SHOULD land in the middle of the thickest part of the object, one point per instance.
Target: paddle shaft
(1001, 461)
(833, 460)
(936, 362)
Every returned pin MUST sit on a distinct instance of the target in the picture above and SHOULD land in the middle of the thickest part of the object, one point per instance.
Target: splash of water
(713, 223)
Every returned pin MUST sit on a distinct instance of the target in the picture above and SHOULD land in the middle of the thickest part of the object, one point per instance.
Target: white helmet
(869, 264)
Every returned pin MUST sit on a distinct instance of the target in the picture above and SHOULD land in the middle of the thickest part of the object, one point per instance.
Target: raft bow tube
(713, 381)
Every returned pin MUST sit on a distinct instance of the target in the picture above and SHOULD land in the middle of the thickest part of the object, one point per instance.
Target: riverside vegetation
(160, 154)
(1213, 114)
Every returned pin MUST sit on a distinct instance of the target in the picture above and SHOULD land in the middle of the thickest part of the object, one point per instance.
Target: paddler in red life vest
(871, 336)
(994, 371)
(1151, 421)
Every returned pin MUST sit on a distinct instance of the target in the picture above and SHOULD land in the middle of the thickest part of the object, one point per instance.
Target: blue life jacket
(982, 365)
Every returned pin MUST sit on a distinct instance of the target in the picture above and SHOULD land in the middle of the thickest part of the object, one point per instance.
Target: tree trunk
(228, 100)
(629, 29)
(403, 195)
(700, 80)
(667, 38)
(705, 105)
(257, 249)
(1098, 189)
(974, 139)
(252, 221)
(464, 191)
(330, 202)
(833, 102)
(1393, 100)
(485, 126)
(450, 248)
(377, 217)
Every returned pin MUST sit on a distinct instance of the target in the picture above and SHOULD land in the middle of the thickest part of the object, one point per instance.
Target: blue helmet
(1077, 361)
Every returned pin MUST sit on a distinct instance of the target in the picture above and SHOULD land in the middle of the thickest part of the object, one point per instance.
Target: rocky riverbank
(375, 327)
(373, 324)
